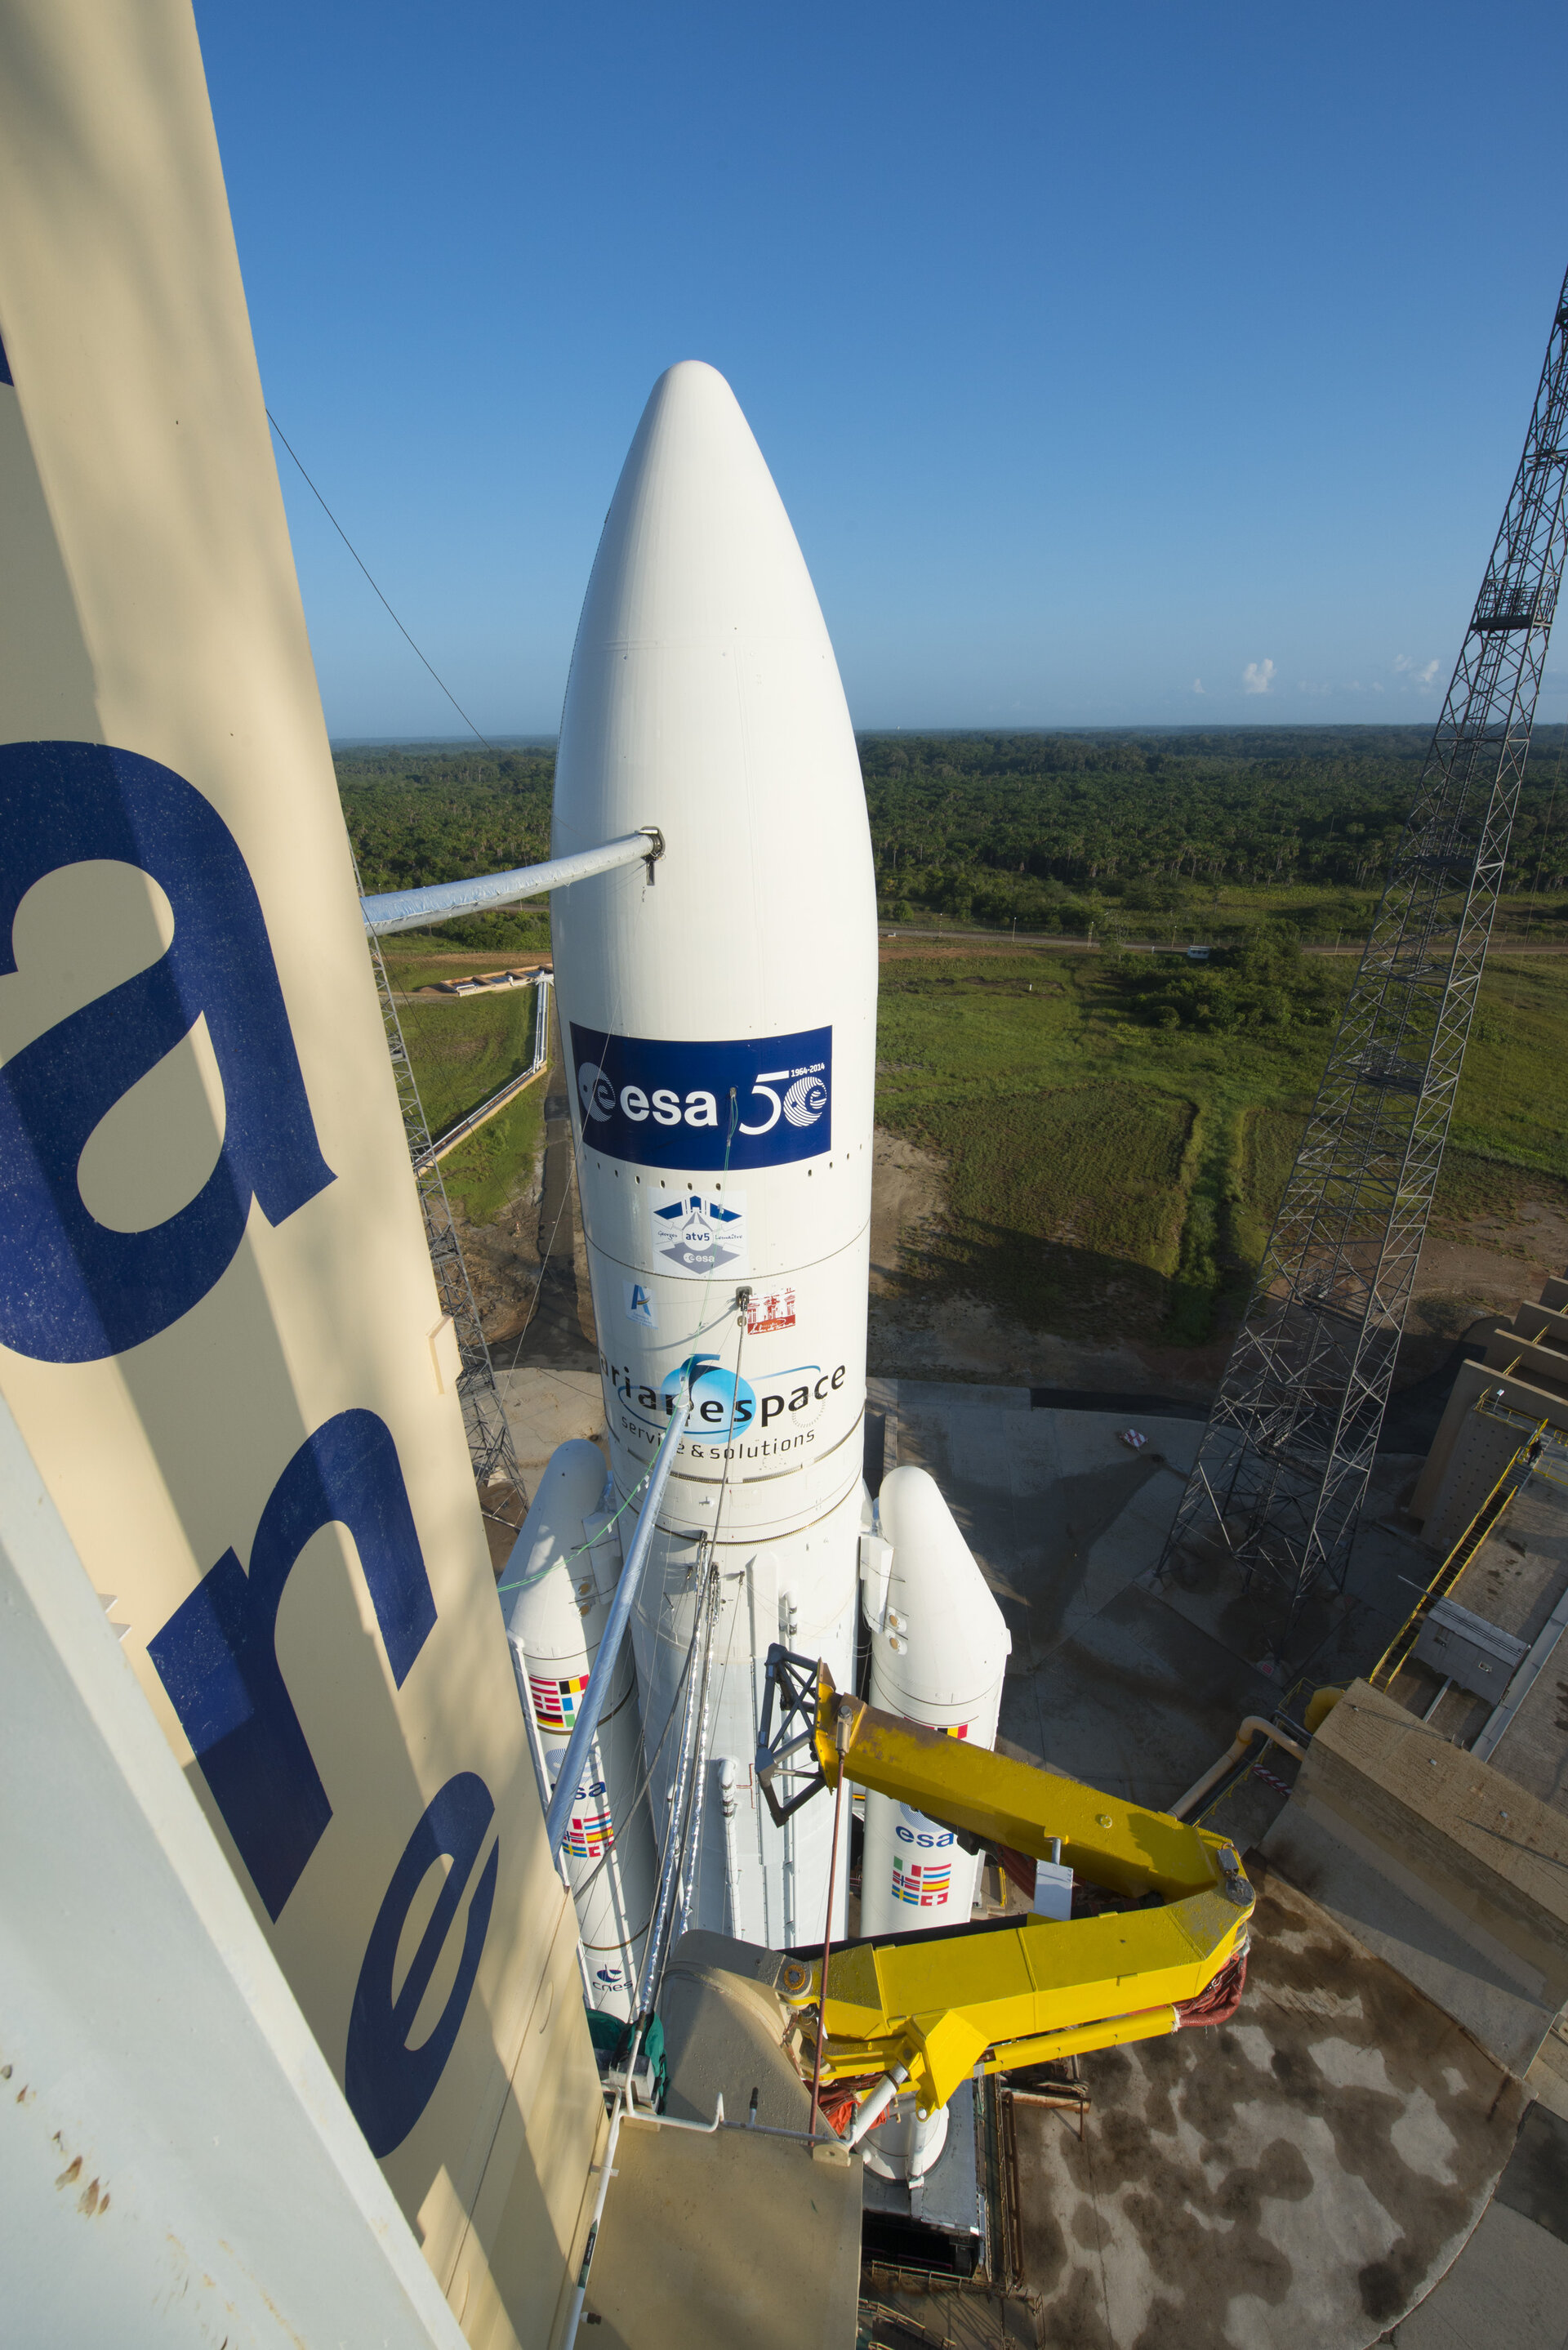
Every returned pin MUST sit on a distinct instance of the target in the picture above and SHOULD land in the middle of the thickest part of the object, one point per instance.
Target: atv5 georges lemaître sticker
(697, 1237)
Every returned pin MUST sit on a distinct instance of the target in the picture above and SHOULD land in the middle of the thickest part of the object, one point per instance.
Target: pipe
(669, 1872)
(415, 909)
(728, 1804)
(877, 2103)
(1444, 1686)
(632, 1575)
(673, 1855)
(1254, 1727)
(841, 1733)
(537, 1749)
(692, 1860)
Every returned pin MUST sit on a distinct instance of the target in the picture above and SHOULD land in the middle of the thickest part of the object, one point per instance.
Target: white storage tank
(557, 1592)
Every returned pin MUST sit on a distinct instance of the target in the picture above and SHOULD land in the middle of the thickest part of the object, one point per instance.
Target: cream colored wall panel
(215, 1300)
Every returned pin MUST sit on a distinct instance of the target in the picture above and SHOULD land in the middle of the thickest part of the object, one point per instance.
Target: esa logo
(753, 1102)
(913, 1827)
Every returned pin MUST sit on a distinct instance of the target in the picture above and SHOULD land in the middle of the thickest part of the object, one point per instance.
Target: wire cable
(640, 1797)
(526, 1582)
(359, 559)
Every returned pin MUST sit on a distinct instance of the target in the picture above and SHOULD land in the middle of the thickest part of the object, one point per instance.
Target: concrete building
(1525, 1368)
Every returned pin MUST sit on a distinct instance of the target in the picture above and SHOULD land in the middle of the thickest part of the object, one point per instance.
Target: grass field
(461, 1053)
(1321, 914)
(485, 1173)
(409, 971)
(1107, 1173)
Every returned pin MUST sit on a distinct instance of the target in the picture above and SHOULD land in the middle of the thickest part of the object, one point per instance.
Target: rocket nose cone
(697, 548)
(704, 699)
(694, 380)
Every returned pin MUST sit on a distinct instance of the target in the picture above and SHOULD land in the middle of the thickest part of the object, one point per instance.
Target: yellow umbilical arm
(938, 2004)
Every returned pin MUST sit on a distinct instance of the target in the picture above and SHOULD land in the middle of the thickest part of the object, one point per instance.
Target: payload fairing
(718, 1021)
(718, 1025)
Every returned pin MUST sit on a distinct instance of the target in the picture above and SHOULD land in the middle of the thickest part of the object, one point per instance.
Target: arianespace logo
(726, 1409)
(753, 1102)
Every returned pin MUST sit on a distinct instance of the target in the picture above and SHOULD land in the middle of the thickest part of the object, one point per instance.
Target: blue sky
(1096, 354)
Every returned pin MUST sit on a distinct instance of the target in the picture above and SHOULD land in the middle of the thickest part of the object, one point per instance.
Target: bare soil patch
(909, 1192)
(1471, 1267)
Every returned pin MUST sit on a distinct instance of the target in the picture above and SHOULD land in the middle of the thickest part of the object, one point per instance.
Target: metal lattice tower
(488, 1438)
(1281, 1471)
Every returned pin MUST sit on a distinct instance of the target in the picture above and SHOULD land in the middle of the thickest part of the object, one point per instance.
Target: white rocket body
(719, 1025)
(556, 1591)
(939, 1652)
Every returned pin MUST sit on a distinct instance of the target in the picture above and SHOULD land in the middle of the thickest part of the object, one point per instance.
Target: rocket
(718, 1025)
(939, 1646)
(556, 1592)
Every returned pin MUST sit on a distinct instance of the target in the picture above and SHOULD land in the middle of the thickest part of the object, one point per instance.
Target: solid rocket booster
(939, 1652)
(718, 1019)
(557, 1592)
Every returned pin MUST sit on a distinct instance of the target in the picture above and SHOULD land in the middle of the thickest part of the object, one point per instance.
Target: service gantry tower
(1278, 1484)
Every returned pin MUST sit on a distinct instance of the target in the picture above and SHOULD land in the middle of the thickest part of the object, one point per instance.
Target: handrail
(1390, 1663)
(448, 1142)
(1254, 1727)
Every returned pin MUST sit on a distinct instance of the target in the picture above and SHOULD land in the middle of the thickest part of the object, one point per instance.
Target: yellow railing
(1524, 1459)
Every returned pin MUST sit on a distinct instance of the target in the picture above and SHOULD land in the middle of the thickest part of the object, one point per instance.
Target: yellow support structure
(938, 2005)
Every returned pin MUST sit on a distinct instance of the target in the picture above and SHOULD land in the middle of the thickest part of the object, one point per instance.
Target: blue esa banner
(758, 1102)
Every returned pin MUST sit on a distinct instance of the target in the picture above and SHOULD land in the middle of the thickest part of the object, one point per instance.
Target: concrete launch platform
(1132, 1685)
(1323, 2171)
(1303, 2176)
(1310, 2174)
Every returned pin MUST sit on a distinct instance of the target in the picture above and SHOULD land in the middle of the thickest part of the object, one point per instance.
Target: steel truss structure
(488, 1438)
(1281, 1471)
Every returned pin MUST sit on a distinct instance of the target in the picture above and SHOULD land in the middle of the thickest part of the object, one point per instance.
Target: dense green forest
(1058, 832)
(419, 815)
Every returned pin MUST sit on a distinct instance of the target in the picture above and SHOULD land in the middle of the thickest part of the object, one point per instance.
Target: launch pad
(321, 1854)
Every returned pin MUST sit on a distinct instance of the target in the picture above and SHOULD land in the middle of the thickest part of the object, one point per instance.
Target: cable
(526, 1582)
(375, 590)
(638, 1800)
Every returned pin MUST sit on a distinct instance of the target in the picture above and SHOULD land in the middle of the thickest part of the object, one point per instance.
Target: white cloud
(1257, 677)
(1424, 676)
(1197, 685)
